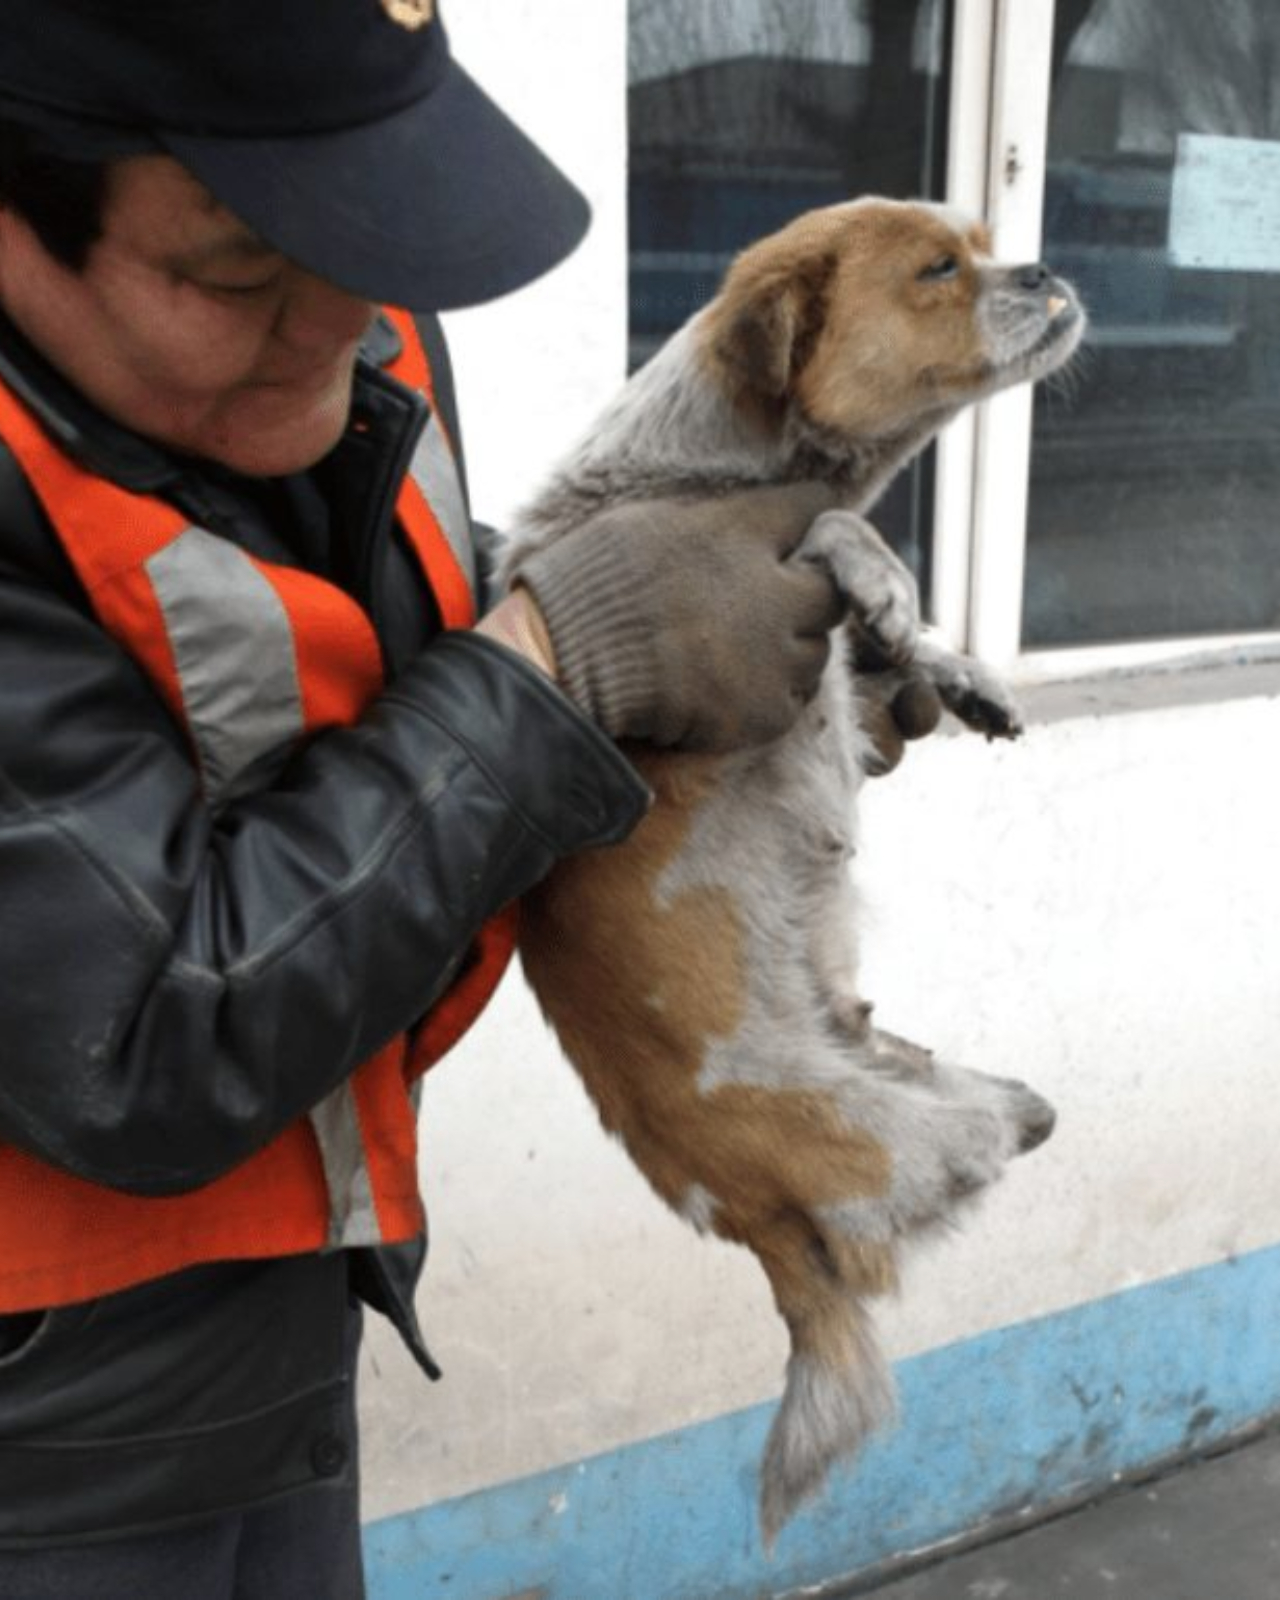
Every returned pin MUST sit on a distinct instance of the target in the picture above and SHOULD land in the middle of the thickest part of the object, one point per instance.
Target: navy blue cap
(342, 131)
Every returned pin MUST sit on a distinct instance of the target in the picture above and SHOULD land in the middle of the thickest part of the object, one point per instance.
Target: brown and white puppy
(703, 976)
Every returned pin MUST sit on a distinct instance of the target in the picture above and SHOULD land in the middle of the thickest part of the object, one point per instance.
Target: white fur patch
(699, 1207)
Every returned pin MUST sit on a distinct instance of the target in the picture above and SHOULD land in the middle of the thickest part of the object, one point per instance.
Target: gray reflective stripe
(353, 1218)
(232, 643)
(434, 471)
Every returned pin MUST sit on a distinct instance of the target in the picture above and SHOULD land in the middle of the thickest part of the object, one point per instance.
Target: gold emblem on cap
(411, 14)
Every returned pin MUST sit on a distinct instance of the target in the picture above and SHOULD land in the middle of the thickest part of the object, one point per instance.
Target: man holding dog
(272, 772)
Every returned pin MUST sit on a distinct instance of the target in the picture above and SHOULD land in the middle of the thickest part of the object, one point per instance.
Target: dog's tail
(839, 1387)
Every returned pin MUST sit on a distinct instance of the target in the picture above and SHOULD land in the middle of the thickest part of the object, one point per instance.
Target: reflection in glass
(1155, 496)
(745, 113)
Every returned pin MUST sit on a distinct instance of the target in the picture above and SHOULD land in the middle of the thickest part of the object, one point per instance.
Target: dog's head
(869, 317)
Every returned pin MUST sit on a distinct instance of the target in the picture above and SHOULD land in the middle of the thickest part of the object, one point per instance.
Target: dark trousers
(305, 1546)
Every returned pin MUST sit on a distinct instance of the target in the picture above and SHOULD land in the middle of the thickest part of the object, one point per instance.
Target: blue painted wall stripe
(1021, 1416)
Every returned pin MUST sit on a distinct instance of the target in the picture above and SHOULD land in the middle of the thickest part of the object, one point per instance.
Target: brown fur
(639, 1045)
(823, 314)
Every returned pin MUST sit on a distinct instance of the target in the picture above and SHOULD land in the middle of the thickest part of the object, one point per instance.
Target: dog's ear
(756, 343)
(767, 327)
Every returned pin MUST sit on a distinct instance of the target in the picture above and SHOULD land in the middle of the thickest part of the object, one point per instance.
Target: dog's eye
(944, 267)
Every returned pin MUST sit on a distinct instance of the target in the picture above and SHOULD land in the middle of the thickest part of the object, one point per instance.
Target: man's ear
(765, 330)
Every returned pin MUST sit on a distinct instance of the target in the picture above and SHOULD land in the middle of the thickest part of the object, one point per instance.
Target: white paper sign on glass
(1224, 215)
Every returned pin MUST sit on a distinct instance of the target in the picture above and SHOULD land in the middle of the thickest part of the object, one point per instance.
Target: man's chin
(276, 438)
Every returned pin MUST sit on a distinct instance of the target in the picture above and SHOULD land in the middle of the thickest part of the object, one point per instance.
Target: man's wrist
(517, 623)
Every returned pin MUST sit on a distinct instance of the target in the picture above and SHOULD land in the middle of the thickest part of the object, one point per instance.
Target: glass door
(1155, 483)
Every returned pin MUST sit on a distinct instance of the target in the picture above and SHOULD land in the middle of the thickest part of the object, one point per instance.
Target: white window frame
(996, 157)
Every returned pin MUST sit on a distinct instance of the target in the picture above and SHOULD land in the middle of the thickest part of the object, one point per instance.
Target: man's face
(185, 327)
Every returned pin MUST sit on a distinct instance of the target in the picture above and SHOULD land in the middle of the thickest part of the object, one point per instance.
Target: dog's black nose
(1033, 276)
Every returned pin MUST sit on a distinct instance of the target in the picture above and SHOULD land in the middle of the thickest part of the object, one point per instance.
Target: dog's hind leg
(948, 1133)
(1028, 1115)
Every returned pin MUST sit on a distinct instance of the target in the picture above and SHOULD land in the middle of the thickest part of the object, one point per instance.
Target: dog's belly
(685, 958)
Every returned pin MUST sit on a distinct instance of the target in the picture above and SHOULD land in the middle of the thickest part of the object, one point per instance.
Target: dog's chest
(779, 818)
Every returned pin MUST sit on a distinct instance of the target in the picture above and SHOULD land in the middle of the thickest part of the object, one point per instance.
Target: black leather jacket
(278, 942)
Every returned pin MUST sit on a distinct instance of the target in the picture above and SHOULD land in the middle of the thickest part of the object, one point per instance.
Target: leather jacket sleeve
(177, 985)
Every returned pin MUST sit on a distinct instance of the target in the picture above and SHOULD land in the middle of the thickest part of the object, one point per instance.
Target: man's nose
(317, 313)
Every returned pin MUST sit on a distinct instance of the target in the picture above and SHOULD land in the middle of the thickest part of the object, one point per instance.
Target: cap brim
(445, 204)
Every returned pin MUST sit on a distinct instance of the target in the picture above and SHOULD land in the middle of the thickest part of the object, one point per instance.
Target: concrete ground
(1210, 1531)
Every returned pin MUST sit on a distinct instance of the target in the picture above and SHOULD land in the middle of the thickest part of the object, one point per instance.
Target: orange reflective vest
(248, 656)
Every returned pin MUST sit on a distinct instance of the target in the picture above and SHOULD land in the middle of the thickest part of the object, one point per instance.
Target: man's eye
(237, 287)
(258, 286)
(944, 267)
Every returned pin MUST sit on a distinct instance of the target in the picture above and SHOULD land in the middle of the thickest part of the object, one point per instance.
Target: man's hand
(684, 622)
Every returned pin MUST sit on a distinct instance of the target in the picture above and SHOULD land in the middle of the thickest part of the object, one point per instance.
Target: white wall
(1093, 909)
(534, 368)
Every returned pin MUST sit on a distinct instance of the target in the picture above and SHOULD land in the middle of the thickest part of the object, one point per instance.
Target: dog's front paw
(884, 604)
(970, 690)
